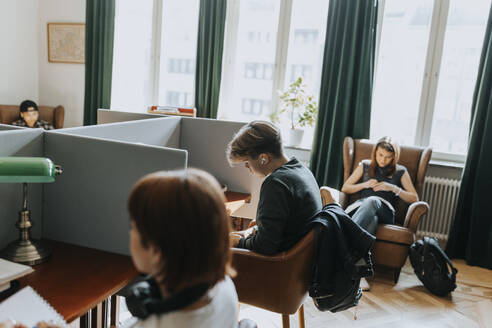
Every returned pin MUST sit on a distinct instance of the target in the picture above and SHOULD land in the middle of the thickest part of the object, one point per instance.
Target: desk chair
(53, 115)
(392, 240)
(277, 283)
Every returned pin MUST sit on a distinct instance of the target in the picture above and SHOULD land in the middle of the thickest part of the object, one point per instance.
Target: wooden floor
(407, 304)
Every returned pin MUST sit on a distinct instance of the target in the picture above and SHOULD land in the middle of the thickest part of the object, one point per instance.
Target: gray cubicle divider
(112, 116)
(87, 204)
(163, 131)
(7, 127)
(206, 141)
(23, 142)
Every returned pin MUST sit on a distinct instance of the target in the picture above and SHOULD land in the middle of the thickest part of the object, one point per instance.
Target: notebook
(10, 271)
(28, 307)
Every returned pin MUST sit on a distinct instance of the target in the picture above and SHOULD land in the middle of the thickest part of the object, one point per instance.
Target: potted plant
(301, 108)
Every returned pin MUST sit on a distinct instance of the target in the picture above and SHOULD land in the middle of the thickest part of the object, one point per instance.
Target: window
(259, 71)
(177, 99)
(254, 107)
(427, 65)
(251, 36)
(132, 78)
(465, 30)
(179, 36)
(154, 54)
(268, 45)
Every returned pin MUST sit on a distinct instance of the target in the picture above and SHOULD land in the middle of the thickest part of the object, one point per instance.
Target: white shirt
(220, 312)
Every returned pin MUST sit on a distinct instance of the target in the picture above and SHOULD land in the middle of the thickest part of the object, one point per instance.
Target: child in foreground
(180, 237)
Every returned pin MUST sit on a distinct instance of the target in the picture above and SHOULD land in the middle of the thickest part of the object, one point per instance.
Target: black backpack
(433, 267)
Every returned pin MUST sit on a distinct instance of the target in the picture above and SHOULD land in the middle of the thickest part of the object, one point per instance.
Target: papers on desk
(10, 271)
(29, 308)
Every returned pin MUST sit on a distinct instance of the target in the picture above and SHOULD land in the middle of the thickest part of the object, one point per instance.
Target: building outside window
(154, 54)
(268, 45)
(427, 65)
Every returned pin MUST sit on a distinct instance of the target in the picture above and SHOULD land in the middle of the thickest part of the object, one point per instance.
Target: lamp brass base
(28, 252)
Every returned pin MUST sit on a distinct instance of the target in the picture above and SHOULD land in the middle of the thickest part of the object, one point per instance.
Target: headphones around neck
(143, 298)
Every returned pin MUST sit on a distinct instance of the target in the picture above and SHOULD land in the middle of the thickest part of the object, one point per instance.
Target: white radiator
(442, 196)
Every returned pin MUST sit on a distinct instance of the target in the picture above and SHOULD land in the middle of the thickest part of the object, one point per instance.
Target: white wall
(19, 51)
(60, 84)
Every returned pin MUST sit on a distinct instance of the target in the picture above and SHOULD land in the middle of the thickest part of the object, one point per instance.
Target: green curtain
(471, 233)
(99, 36)
(346, 85)
(210, 45)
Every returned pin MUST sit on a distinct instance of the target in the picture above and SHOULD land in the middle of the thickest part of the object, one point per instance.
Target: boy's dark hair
(182, 214)
(255, 138)
(24, 106)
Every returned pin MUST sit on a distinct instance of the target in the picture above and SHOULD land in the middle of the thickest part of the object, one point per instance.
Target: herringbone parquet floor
(407, 304)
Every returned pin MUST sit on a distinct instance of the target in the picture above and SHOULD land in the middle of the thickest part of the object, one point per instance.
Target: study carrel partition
(112, 116)
(206, 141)
(7, 127)
(161, 131)
(87, 204)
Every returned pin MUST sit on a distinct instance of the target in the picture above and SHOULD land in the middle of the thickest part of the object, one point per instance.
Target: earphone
(263, 161)
(143, 298)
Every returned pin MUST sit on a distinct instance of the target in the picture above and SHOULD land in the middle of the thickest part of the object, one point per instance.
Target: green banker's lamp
(26, 170)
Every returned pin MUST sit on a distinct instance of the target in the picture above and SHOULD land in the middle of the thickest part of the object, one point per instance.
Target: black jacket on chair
(342, 258)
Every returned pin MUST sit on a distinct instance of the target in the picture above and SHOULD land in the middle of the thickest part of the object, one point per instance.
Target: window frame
(155, 59)
(280, 59)
(429, 87)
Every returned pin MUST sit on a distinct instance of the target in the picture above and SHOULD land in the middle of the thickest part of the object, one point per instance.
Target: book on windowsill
(170, 110)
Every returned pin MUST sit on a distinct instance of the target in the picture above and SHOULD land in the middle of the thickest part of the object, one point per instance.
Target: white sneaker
(364, 285)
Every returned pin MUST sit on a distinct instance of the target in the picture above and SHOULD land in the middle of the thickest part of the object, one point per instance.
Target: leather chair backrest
(276, 283)
(415, 159)
(53, 115)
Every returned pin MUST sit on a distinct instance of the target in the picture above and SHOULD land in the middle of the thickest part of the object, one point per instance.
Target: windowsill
(433, 162)
(450, 164)
(302, 148)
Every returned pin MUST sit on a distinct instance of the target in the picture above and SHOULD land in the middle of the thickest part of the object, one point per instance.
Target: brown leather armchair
(277, 283)
(53, 115)
(392, 240)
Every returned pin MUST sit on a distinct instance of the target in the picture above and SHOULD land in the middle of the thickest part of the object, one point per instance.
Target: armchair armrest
(59, 116)
(307, 242)
(246, 254)
(414, 214)
(339, 196)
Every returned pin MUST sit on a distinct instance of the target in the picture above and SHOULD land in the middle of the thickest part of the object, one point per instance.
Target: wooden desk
(76, 279)
(235, 200)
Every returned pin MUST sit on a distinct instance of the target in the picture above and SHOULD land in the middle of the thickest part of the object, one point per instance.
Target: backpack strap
(431, 241)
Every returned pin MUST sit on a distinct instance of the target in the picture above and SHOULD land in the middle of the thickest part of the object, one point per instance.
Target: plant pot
(295, 137)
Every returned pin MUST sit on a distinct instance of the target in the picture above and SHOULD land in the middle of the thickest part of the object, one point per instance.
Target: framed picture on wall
(66, 43)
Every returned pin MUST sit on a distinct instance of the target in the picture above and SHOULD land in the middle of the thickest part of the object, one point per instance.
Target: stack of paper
(10, 271)
(28, 308)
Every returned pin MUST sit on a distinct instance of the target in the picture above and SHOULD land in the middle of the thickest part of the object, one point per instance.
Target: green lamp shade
(26, 169)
